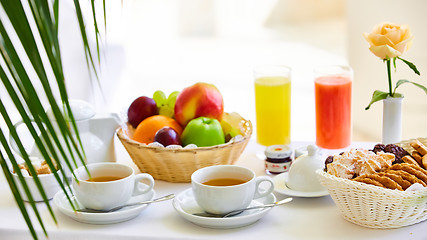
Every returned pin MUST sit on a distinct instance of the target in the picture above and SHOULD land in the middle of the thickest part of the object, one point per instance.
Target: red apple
(167, 136)
(198, 100)
(140, 109)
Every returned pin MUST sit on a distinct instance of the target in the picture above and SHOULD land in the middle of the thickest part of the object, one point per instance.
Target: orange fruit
(147, 129)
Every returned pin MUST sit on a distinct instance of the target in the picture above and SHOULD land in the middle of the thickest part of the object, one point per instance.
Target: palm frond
(56, 14)
(105, 16)
(16, 194)
(87, 49)
(45, 152)
(3, 141)
(14, 74)
(92, 3)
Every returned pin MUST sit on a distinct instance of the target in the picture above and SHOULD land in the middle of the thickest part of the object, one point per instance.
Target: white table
(303, 218)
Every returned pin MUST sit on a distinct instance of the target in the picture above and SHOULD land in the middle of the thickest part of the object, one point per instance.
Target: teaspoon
(238, 211)
(164, 198)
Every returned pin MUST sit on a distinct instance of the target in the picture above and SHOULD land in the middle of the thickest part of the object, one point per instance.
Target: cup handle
(12, 141)
(258, 192)
(138, 190)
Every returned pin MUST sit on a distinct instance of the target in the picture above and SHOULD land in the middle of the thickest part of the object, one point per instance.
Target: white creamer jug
(96, 134)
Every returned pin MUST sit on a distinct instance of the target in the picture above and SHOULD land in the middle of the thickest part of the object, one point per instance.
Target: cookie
(44, 169)
(386, 181)
(412, 169)
(408, 177)
(417, 156)
(398, 179)
(419, 147)
(379, 180)
(424, 161)
(364, 179)
(410, 160)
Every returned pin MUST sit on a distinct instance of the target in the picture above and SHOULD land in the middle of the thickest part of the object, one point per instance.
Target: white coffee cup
(104, 195)
(223, 199)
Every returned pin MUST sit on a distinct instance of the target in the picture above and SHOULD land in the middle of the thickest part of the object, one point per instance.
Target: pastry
(381, 168)
(385, 159)
(39, 167)
(369, 166)
(424, 161)
(397, 151)
(419, 147)
(410, 160)
(44, 169)
(417, 156)
(358, 162)
(340, 170)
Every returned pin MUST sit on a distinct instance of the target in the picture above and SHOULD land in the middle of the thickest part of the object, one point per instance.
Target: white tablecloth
(303, 218)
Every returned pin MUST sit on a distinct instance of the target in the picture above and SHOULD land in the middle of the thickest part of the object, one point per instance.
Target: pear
(232, 125)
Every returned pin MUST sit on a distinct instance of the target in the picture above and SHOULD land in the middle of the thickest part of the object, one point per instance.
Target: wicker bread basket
(177, 165)
(376, 207)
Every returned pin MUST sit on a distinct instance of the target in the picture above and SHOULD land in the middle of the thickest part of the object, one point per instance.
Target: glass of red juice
(333, 87)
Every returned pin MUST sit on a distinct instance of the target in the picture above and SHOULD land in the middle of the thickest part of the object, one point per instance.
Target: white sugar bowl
(302, 174)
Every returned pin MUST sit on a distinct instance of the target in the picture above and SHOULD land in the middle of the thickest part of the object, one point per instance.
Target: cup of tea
(109, 185)
(224, 188)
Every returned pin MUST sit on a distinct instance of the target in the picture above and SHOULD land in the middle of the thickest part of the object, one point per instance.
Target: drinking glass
(273, 104)
(333, 86)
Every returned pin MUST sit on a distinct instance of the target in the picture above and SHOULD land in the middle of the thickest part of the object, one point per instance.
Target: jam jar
(278, 159)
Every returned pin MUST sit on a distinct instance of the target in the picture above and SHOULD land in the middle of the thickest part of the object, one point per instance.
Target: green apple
(203, 132)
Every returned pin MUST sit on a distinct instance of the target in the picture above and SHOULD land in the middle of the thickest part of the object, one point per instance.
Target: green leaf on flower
(411, 65)
(377, 96)
(394, 64)
(403, 81)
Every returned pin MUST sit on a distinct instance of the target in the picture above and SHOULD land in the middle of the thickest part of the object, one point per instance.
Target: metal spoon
(164, 198)
(238, 211)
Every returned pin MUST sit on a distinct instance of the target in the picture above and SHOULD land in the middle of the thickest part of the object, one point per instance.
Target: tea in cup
(109, 185)
(224, 188)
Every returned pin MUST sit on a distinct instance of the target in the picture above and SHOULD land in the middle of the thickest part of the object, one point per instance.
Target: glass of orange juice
(273, 104)
(333, 86)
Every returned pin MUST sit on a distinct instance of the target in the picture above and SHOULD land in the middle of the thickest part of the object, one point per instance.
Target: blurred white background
(169, 45)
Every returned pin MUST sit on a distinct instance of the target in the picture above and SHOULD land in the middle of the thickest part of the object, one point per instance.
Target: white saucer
(281, 187)
(185, 204)
(124, 214)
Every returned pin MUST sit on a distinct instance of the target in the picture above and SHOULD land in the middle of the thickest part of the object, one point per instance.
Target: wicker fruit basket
(376, 207)
(177, 165)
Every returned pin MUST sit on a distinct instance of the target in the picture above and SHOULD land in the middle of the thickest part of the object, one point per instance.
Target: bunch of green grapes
(165, 105)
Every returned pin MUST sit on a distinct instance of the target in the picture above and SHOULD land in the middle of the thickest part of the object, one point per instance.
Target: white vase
(392, 120)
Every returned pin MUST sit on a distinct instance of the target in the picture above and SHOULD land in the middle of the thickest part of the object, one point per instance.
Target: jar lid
(278, 151)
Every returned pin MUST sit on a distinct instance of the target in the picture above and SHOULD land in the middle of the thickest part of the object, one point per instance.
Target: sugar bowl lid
(302, 173)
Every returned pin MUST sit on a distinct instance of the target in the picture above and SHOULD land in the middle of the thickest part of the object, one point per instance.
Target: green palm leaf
(30, 168)
(27, 100)
(16, 194)
(29, 94)
(89, 58)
